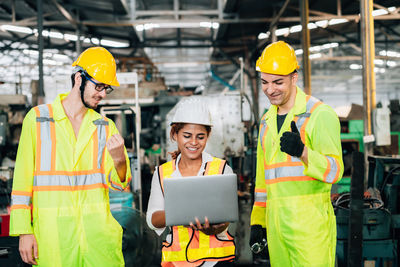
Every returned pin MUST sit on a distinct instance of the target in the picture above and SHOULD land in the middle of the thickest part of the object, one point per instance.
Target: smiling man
(68, 157)
(299, 157)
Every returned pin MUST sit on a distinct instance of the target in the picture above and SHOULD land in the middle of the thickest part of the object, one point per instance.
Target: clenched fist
(115, 146)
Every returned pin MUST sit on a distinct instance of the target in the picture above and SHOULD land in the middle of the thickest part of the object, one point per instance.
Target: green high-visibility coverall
(292, 200)
(60, 189)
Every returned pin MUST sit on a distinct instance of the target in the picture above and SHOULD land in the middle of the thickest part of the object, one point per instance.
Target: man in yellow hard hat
(68, 157)
(299, 157)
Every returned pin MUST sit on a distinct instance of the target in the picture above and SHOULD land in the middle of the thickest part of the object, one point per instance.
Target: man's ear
(294, 77)
(77, 79)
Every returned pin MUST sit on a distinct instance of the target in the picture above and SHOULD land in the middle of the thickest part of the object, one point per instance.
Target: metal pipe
(40, 48)
(220, 9)
(220, 21)
(368, 56)
(305, 43)
(176, 9)
(176, 12)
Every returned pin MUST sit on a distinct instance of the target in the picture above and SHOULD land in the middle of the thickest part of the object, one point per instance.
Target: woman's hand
(207, 228)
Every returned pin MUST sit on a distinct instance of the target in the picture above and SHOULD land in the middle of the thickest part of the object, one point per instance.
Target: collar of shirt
(205, 157)
(59, 113)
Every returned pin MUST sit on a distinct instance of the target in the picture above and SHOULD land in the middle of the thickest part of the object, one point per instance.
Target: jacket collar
(298, 108)
(59, 113)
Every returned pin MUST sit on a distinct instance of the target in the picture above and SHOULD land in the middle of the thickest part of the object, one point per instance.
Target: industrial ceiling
(191, 43)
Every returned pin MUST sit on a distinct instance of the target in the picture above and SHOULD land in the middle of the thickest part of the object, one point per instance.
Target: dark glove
(257, 234)
(291, 142)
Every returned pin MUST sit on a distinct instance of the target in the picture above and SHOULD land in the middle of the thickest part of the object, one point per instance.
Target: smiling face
(280, 89)
(191, 140)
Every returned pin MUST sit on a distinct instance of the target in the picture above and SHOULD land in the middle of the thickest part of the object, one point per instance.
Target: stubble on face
(278, 88)
(91, 100)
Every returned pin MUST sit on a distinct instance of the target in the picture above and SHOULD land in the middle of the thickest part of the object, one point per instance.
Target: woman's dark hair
(176, 127)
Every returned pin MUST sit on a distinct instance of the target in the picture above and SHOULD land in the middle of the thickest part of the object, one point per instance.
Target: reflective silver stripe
(262, 131)
(333, 170)
(260, 197)
(117, 187)
(101, 131)
(20, 200)
(45, 137)
(65, 180)
(287, 171)
(302, 117)
(310, 103)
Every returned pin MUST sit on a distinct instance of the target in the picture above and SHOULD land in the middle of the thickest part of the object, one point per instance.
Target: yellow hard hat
(277, 58)
(100, 64)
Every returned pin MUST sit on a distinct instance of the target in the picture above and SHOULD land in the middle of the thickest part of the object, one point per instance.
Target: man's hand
(28, 249)
(115, 146)
(207, 228)
(291, 142)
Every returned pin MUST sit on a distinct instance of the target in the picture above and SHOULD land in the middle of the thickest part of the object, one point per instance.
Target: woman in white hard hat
(194, 245)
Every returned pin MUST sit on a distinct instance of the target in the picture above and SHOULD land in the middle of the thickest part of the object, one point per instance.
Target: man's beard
(86, 104)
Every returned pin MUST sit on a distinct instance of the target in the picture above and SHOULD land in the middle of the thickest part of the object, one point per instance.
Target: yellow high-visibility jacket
(292, 200)
(60, 188)
(189, 247)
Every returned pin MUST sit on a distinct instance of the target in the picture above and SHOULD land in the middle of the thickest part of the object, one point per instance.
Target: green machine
(352, 132)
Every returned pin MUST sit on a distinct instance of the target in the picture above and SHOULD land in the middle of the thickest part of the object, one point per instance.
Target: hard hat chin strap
(82, 89)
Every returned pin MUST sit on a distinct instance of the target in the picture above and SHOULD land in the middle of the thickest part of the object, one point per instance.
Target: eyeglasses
(99, 86)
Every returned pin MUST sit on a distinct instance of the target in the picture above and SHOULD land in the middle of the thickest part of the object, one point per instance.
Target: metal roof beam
(221, 21)
(209, 12)
(65, 13)
(120, 7)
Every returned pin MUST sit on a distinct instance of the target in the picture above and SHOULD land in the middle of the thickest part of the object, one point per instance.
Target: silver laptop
(212, 196)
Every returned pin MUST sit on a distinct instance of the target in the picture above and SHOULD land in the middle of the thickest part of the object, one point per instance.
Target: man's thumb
(294, 127)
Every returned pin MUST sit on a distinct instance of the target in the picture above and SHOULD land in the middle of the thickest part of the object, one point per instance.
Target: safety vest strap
(99, 143)
(165, 171)
(263, 131)
(216, 166)
(45, 138)
(194, 247)
(303, 118)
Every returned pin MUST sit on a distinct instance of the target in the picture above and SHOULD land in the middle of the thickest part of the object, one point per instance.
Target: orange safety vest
(189, 247)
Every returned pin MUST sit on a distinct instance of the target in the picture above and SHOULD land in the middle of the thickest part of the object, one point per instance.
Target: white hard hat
(194, 111)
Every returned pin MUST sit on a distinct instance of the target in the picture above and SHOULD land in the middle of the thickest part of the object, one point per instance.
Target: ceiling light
(379, 12)
(298, 51)
(314, 56)
(337, 21)
(263, 35)
(13, 28)
(111, 43)
(311, 26)
(355, 67)
(283, 31)
(296, 28)
(322, 23)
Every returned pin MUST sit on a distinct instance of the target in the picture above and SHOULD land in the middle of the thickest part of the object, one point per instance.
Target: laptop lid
(211, 196)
